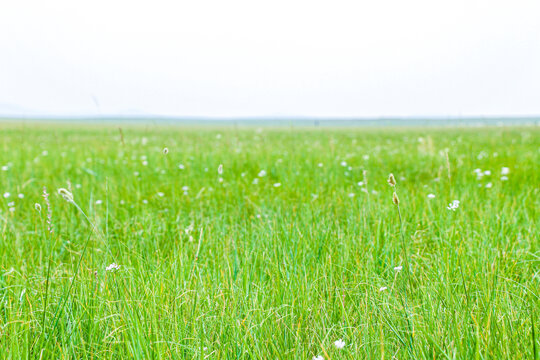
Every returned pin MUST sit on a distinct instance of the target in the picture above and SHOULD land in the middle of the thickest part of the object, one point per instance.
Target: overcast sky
(230, 58)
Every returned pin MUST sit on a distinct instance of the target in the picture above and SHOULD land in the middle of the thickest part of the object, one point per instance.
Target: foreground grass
(229, 269)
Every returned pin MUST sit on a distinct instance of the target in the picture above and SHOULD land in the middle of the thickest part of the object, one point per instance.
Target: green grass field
(296, 245)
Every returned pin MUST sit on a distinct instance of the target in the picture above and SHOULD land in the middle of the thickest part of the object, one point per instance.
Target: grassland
(273, 264)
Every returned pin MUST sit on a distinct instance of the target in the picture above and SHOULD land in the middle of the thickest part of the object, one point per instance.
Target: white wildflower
(340, 344)
(20, 196)
(398, 268)
(431, 196)
(181, 166)
(99, 202)
(6, 195)
(277, 184)
(453, 205)
(504, 178)
(383, 288)
(505, 171)
(165, 151)
(220, 169)
(160, 194)
(262, 173)
(489, 185)
(112, 267)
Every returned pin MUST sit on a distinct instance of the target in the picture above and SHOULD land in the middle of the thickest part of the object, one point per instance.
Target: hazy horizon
(244, 59)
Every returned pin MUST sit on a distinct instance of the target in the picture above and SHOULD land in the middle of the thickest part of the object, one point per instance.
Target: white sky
(273, 58)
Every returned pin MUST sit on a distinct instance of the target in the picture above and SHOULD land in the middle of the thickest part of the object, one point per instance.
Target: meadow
(185, 242)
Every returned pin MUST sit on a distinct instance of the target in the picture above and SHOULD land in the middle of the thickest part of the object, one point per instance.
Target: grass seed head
(395, 198)
(66, 194)
(391, 180)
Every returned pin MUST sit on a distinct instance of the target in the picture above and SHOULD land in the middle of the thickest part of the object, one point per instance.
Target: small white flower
(185, 188)
(489, 185)
(6, 195)
(343, 163)
(99, 202)
(431, 196)
(20, 196)
(277, 185)
(136, 173)
(398, 268)
(487, 172)
(181, 166)
(11, 204)
(360, 183)
(12, 209)
(112, 267)
(505, 171)
(504, 178)
(262, 173)
(351, 195)
(78, 186)
(44, 153)
(365, 157)
(220, 169)
(220, 179)
(374, 192)
(255, 181)
(318, 357)
(145, 163)
(453, 205)
(160, 194)
(383, 288)
(320, 165)
(437, 179)
(145, 201)
(5, 168)
(165, 151)
(340, 344)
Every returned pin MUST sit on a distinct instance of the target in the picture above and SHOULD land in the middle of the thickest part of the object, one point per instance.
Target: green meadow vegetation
(268, 243)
